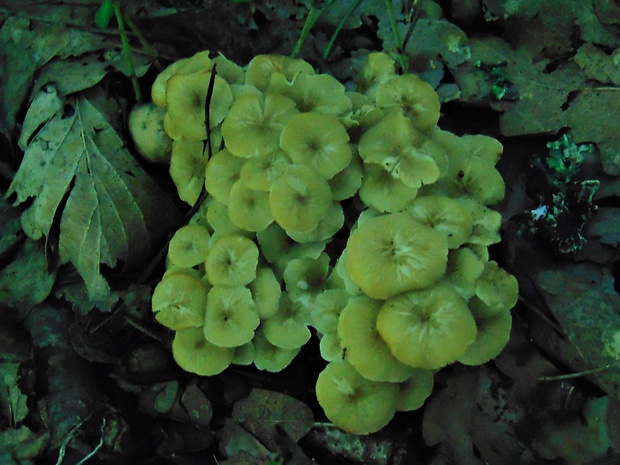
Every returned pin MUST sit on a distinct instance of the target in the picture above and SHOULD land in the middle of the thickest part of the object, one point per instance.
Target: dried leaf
(262, 410)
(78, 169)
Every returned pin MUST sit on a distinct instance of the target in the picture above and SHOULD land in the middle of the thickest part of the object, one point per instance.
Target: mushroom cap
(328, 226)
(445, 215)
(262, 67)
(327, 308)
(186, 97)
(484, 147)
(260, 172)
(266, 292)
(232, 261)
(230, 319)
(363, 346)
(187, 166)
(305, 277)
(464, 269)
(399, 148)
(346, 183)
(195, 354)
(270, 357)
(179, 301)
(352, 402)
(189, 246)
(430, 328)
(497, 288)
(228, 70)
(299, 199)
(491, 338)
(391, 254)
(320, 93)
(486, 223)
(194, 64)
(414, 97)
(383, 191)
(217, 218)
(318, 141)
(377, 69)
(329, 346)
(222, 171)
(414, 391)
(146, 126)
(287, 328)
(253, 125)
(249, 208)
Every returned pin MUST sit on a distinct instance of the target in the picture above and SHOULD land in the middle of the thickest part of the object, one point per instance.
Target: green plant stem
(330, 44)
(126, 50)
(311, 20)
(412, 18)
(397, 37)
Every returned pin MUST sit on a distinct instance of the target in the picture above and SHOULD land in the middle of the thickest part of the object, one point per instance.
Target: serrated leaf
(79, 171)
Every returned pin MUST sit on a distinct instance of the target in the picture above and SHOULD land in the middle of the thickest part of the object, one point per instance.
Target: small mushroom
(195, 354)
(179, 301)
(230, 319)
(232, 261)
(318, 141)
(352, 402)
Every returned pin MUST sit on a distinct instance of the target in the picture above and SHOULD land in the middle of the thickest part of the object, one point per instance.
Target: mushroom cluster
(345, 214)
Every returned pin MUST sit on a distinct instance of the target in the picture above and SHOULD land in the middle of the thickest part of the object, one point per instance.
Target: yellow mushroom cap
(414, 391)
(262, 67)
(317, 140)
(484, 147)
(299, 199)
(362, 344)
(320, 93)
(497, 288)
(377, 69)
(327, 308)
(197, 63)
(232, 261)
(352, 402)
(491, 338)
(146, 126)
(195, 354)
(391, 254)
(260, 172)
(383, 191)
(187, 166)
(179, 301)
(186, 97)
(249, 208)
(445, 215)
(189, 246)
(429, 328)
(270, 357)
(222, 171)
(254, 123)
(417, 99)
(399, 148)
(266, 292)
(230, 319)
(287, 328)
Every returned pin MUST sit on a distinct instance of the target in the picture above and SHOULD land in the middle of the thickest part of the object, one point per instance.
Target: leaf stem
(126, 51)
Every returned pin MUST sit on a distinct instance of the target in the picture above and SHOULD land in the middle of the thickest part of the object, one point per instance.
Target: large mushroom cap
(352, 402)
(230, 319)
(391, 254)
(430, 328)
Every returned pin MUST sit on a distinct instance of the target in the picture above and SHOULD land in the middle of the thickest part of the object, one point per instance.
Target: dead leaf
(585, 303)
(263, 410)
(78, 169)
